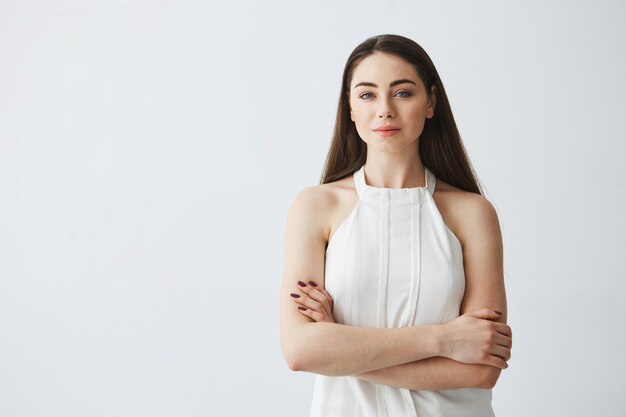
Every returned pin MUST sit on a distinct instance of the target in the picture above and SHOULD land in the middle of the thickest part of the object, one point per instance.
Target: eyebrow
(391, 84)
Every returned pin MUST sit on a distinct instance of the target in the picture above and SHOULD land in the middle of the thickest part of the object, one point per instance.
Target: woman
(393, 288)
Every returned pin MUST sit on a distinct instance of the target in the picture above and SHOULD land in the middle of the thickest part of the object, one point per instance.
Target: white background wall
(149, 151)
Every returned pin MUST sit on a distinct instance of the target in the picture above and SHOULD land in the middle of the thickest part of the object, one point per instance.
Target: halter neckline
(363, 188)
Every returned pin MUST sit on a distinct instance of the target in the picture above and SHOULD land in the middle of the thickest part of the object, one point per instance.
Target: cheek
(359, 113)
(416, 115)
(418, 111)
(360, 118)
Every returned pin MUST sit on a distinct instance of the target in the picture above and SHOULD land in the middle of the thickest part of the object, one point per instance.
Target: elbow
(295, 366)
(299, 353)
(303, 359)
(295, 357)
(489, 377)
(294, 362)
(303, 352)
(299, 362)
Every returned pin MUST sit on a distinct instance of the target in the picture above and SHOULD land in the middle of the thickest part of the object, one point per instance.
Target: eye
(366, 96)
(403, 94)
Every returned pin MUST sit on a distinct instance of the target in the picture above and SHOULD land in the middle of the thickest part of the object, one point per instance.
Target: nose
(385, 110)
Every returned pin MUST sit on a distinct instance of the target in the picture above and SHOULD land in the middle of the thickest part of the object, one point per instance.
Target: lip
(385, 128)
(386, 131)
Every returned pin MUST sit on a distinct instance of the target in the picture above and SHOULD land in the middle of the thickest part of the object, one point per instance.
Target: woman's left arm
(481, 240)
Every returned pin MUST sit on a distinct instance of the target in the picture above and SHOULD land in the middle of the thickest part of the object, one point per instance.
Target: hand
(314, 302)
(476, 338)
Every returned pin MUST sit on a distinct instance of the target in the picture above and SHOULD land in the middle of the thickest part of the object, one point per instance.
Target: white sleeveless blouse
(393, 262)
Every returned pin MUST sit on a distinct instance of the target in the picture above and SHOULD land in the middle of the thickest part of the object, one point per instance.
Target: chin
(391, 146)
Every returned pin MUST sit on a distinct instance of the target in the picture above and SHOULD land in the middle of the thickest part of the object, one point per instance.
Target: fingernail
(302, 284)
(497, 312)
(311, 283)
(301, 308)
(295, 295)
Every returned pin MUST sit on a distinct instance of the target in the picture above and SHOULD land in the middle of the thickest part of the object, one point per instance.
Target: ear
(432, 103)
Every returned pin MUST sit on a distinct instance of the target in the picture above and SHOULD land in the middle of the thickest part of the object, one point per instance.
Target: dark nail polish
(497, 312)
(302, 308)
(302, 284)
(313, 284)
(295, 295)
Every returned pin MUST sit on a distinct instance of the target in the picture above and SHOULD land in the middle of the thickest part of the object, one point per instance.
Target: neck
(394, 170)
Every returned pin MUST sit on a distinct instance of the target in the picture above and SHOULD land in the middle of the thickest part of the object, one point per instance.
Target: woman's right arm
(336, 349)
(331, 348)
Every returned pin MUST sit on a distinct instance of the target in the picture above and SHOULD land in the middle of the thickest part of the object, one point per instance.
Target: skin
(468, 352)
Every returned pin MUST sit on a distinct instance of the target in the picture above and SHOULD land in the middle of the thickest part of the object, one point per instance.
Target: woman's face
(388, 102)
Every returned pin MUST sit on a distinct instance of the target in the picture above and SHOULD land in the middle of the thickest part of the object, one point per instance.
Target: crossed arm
(468, 352)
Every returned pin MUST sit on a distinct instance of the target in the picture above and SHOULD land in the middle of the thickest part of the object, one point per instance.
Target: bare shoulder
(322, 206)
(474, 221)
(311, 200)
(467, 214)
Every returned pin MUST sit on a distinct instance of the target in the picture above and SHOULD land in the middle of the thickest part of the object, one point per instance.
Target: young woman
(393, 289)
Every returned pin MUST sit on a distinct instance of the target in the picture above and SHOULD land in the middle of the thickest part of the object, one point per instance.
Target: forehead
(381, 68)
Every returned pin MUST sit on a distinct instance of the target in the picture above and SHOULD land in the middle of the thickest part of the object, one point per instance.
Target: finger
(305, 311)
(501, 352)
(314, 315)
(486, 313)
(324, 306)
(317, 295)
(326, 293)
(299, 298)
(329, 299)
(309, 284)
(315, 292)
(504, 329)
(502, 363)
(306, 301)
(503, 341)
(306, 288)
(316, 311)
(497, 362)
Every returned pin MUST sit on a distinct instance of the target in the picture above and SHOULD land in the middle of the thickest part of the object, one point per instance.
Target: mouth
(387, 130)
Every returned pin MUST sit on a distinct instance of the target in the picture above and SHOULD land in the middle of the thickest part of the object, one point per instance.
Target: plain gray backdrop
(149, 151)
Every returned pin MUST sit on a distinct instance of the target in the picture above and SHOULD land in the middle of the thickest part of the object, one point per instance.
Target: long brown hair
(440, 147)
